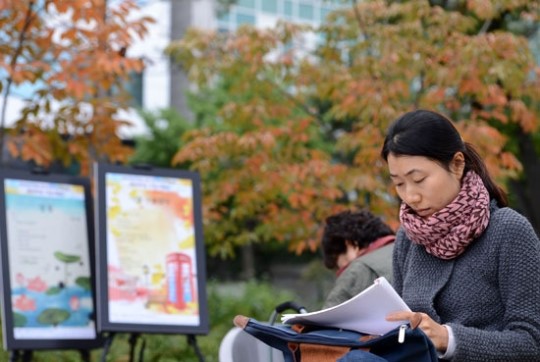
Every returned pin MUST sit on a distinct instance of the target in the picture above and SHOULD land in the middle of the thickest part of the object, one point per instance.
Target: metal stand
(85, 355)
(193, 343)
(132, 344)
(26, 355)
(22, 355)
(107, 346)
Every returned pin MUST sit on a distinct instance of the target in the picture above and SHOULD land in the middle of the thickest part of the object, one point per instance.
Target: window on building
(242, 19)
(288, 8)
(247, 3)
(224, 16)
(135, 88)
(324, 13)
(269, 6)
(305, 11)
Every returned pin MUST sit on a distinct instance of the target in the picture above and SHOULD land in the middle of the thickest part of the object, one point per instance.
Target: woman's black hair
(360, 228)
(432, 135)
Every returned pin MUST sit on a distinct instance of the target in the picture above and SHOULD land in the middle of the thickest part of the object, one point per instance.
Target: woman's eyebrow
(407, 174)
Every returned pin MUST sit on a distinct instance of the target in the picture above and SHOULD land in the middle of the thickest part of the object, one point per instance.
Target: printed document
(364, 313)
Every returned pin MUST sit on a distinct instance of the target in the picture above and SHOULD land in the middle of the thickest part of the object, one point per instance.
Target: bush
(253, 299)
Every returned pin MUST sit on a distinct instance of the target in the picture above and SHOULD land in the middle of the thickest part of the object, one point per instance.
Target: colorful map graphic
(151, 250)
(49, 262)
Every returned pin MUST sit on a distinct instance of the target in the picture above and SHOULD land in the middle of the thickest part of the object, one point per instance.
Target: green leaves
(71, 53)
(298, 125)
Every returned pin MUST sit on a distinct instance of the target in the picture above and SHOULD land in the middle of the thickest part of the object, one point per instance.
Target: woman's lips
(423, 212)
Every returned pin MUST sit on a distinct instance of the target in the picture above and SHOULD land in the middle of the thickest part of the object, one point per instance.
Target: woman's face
(424, 184)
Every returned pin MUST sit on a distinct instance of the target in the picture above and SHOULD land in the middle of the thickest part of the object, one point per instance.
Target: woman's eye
(419, 180)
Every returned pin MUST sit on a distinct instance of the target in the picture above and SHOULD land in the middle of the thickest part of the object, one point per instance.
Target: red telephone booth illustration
(180, 280)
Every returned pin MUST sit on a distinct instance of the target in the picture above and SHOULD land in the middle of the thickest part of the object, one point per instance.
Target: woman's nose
(412, 197)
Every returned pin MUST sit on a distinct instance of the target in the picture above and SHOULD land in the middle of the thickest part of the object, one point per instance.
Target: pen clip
(401, 333)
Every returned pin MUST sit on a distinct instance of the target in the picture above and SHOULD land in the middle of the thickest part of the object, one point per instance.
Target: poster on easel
(46, 234)
(150, 259)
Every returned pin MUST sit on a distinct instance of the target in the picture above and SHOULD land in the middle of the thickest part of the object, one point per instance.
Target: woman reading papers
(465, 261)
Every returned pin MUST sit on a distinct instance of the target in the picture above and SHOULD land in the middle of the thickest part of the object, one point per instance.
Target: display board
(47, 238)
(150, 251)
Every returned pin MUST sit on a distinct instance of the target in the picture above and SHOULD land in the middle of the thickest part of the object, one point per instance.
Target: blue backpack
(304, 343)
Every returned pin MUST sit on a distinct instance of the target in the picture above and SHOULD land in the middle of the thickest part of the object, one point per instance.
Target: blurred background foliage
(296, 130)
(283, 133)
(254, 299)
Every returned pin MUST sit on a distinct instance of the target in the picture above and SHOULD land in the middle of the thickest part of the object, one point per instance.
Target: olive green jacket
(360, 274)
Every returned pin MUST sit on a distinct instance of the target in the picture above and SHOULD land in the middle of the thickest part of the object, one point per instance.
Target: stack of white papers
(364, 313)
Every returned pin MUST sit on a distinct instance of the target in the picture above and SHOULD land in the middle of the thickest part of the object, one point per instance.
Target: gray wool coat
(489, 295)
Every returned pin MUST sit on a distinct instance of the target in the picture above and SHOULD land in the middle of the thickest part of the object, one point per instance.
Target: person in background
(463, 261)
(358, 245)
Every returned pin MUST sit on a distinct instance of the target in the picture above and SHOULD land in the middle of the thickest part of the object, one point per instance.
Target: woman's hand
(435, 331)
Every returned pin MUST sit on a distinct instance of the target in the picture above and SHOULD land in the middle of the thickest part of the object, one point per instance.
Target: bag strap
(317, 352)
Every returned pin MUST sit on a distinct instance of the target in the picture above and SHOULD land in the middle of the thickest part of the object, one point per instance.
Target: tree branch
(358, 18)
(29, 17)
(485, 26)
(298, 104)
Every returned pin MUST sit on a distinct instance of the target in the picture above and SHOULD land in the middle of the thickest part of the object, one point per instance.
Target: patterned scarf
(447, 233)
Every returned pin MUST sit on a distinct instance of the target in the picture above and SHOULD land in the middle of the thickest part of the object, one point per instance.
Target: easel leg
(27, 355)
(85, 355)
(193, 343)
(132, 344)
(106, 347)
(141, 351)
(13, 356)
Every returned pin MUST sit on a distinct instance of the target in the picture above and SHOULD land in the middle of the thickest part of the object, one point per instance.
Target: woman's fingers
(436, 332)
(399, 316)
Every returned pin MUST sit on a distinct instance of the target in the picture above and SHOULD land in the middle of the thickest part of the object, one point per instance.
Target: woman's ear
(457, 166)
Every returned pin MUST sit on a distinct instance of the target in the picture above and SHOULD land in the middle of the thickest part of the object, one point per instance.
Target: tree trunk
(525, 191)
(248, 261)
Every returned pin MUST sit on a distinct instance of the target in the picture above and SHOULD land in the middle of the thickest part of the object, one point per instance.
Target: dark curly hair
(361, 228)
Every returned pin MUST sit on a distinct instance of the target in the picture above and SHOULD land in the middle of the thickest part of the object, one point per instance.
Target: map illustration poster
(152, 261)
(47, 265)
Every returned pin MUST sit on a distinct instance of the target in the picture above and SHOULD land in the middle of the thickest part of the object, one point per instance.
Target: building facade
(163, 84)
